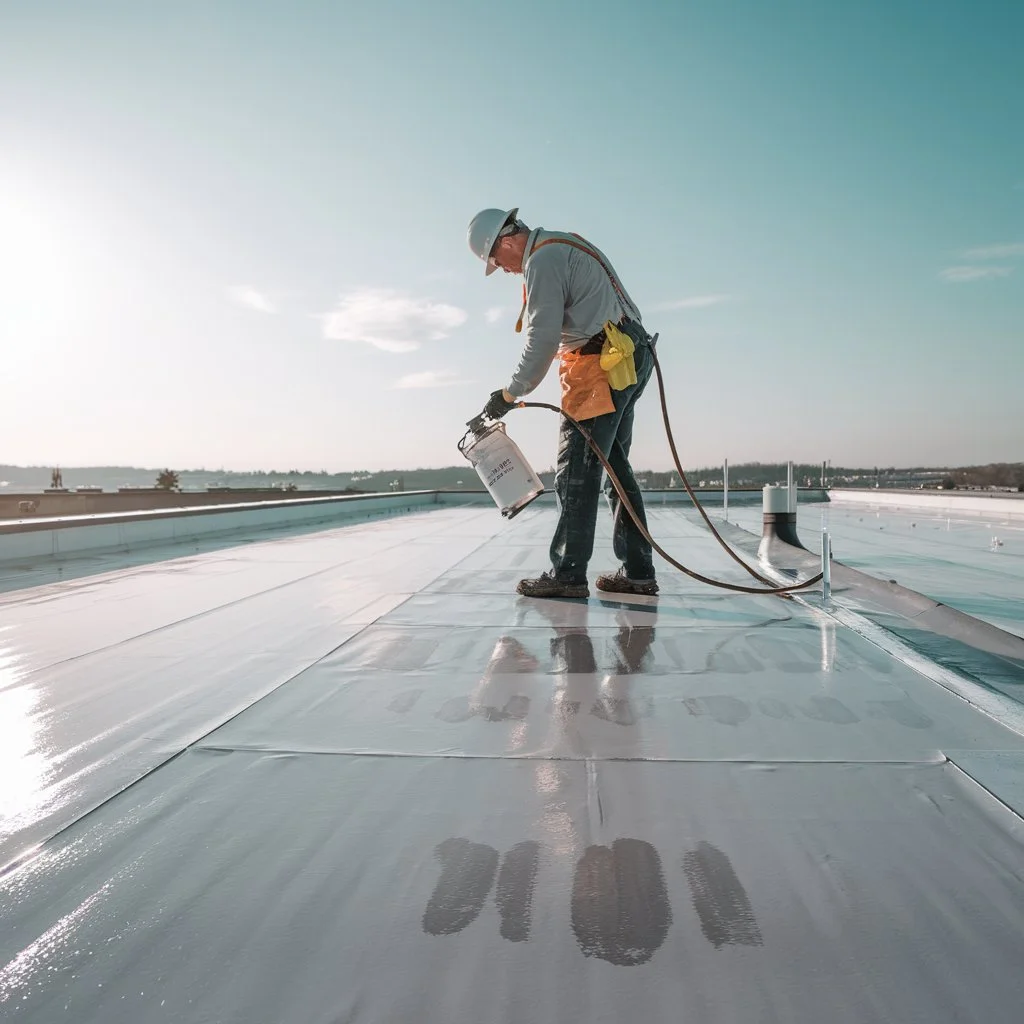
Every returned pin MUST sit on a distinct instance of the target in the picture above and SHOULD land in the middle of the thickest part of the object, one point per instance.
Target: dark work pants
(578, 482)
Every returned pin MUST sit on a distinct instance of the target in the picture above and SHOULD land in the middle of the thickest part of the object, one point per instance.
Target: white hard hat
(483, 233)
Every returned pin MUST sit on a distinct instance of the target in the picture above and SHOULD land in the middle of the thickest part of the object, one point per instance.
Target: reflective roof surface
(351, 776)
(972, 563)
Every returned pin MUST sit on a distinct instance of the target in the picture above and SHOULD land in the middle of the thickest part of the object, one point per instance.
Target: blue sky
(233, 234)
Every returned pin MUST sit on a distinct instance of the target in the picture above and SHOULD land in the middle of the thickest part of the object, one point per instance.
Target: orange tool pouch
(585, 389)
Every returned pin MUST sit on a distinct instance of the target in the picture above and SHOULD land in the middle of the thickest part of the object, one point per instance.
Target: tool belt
(595, 343)
(589, 374)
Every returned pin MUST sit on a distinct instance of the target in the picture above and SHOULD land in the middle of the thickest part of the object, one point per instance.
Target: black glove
(497, 406)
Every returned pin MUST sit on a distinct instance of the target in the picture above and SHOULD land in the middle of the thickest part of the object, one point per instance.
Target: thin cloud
(494, 314)
(692, 302)
(251, 298)
(996, 252)
(390, 320)
(431, 379)
(957, 275)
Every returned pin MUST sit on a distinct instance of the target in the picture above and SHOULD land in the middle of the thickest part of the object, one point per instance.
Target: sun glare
(34, 279)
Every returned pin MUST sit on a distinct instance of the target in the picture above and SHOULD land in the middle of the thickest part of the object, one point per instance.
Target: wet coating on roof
(351, 776)
(974, 564)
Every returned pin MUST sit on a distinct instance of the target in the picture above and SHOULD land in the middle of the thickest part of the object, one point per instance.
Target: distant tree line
(741, 475)
(998, 474)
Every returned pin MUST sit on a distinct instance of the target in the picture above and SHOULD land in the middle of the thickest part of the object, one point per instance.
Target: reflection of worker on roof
(575, 307)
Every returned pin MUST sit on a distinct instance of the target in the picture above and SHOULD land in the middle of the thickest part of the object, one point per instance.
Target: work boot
(548, 585)
(619, 583)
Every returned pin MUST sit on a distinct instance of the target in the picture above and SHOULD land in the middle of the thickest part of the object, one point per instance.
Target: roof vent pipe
(780, 515)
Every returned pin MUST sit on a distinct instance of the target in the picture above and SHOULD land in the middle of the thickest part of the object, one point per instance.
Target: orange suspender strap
(582, 248)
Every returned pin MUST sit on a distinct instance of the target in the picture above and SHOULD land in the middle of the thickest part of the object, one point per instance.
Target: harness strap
(582, 248)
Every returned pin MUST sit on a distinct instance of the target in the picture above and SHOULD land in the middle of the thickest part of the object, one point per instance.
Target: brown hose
(689, 490)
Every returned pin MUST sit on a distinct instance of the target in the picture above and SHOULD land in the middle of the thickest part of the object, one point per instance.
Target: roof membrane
(974, 563)
(351, 776)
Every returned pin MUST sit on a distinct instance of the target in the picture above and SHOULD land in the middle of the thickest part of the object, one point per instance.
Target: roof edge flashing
(922, 611)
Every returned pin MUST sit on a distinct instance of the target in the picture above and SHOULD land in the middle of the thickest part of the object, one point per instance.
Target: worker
(575, 307)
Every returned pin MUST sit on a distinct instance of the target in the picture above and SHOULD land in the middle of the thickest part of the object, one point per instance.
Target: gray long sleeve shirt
(569, 298)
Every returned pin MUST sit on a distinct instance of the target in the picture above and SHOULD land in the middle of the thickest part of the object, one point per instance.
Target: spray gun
(501, 466)
(476, 426)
